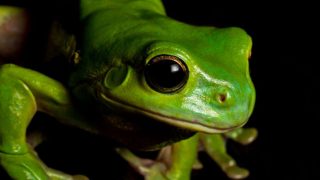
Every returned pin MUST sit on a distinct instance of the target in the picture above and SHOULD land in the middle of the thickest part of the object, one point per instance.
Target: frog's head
(191, 78)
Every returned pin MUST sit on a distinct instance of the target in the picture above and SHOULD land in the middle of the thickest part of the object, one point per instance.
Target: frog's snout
(233, 105)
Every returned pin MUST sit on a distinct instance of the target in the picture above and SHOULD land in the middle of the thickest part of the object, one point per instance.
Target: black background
(284, 72)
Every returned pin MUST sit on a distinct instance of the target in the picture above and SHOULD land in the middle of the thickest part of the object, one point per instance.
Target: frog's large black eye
(166, 74)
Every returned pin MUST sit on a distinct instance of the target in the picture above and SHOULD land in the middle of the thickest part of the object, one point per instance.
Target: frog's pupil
(166, 74)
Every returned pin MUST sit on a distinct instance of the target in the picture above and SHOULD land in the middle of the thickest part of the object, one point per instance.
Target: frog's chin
(139, 132)
(181, 123)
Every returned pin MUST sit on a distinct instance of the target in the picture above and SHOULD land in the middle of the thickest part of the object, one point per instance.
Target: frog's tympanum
(140, 78)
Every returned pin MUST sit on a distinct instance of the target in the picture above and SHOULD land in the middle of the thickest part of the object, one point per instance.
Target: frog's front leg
(215, 146)
(22, 93)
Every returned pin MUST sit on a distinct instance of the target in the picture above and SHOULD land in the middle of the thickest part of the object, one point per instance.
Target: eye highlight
(166, 73)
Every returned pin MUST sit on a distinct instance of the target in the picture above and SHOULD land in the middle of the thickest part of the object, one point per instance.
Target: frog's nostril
(222, 97)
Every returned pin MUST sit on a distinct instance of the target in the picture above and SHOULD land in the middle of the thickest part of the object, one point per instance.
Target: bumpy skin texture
(108, 93)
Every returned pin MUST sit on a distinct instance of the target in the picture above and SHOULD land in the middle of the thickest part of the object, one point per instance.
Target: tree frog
(138, 77)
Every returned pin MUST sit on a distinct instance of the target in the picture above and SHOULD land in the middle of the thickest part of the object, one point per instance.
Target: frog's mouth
(178, 122)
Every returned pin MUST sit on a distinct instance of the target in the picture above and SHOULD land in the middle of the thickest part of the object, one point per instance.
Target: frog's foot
(243, 135)
(174, 162)
(150, 169)
(29, 166)
(215, 146)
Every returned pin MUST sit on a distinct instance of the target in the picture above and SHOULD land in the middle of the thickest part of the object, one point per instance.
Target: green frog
(142, 79)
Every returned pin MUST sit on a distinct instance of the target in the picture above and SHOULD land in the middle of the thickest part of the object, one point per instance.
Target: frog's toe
(243, 135)
(58, 175)
(236, 172)
(215, 146)
(197, 165)
(150, 169)
(80, 177)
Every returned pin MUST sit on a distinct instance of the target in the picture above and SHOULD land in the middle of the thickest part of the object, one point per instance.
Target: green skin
(121, 37)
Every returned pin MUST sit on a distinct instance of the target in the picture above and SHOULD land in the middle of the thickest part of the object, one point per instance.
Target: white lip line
(173, 121)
